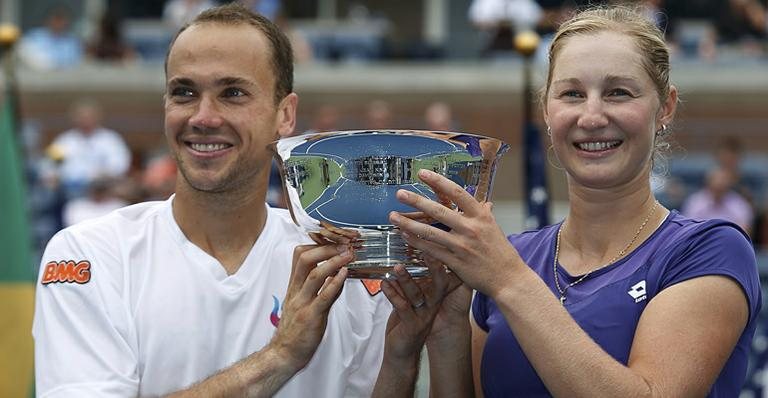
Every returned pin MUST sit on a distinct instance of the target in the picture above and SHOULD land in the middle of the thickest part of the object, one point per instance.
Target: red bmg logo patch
(68, 271)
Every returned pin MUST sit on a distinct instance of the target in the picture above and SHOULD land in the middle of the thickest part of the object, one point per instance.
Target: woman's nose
(593, 116)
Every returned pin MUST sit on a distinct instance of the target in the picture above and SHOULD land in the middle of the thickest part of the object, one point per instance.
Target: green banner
(15, 242)
(16, 275)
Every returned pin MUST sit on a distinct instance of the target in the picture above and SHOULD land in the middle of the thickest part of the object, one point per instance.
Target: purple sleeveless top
(608, 303)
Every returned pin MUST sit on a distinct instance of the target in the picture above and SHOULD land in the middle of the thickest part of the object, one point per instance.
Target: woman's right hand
(475, 247)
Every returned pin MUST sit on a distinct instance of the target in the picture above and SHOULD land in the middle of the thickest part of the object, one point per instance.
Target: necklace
(621, 253)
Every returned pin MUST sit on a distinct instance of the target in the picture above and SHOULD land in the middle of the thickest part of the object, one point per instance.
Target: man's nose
(207, 115)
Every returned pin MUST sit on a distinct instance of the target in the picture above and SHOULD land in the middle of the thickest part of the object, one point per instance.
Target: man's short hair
(236, 14)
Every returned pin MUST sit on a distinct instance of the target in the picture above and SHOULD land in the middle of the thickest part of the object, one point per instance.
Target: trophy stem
(377, 252)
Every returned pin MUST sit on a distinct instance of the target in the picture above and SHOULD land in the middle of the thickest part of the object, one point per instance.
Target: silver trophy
(348, 179)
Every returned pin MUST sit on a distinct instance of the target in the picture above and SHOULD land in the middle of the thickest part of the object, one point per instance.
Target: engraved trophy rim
(348, 179)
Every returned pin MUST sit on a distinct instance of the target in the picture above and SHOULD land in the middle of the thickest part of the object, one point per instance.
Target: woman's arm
(683, 339)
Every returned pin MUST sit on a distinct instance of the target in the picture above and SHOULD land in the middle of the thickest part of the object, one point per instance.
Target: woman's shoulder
(681, 229)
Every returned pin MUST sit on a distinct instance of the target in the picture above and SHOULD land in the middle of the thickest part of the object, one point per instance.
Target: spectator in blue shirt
(53, 45)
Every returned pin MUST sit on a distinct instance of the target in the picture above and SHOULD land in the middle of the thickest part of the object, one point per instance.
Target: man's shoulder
(123, 222)
(281, 222)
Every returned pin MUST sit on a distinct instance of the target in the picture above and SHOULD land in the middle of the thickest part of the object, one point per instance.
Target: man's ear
(286, 115)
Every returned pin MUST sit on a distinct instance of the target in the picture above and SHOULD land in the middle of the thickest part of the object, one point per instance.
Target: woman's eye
(619, 92)
(570, 94)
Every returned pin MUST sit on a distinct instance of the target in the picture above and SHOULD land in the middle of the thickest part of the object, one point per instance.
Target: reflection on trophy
(348, 179)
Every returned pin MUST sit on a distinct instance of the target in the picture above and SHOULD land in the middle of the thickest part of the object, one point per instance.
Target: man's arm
(312, 289)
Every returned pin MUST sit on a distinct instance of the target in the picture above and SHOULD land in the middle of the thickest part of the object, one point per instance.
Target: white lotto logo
(637, 291)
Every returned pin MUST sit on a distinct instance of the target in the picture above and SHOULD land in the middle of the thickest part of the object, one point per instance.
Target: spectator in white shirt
(88, 150)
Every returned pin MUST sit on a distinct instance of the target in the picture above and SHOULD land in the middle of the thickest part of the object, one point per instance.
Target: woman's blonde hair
(649, 41)
(632, 22)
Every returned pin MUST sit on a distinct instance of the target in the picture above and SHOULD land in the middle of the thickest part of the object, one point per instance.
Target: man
(183, 297)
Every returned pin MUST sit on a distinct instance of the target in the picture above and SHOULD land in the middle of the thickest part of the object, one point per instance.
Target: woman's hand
(475, 248)
(415, 305)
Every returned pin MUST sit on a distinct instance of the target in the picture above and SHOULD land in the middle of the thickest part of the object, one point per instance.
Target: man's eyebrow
(232, 81)
(224, 81)
(181, 81)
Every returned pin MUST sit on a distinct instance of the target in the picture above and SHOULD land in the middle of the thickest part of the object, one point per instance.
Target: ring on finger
(418, 304)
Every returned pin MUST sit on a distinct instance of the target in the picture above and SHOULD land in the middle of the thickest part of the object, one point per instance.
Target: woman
(623, 297)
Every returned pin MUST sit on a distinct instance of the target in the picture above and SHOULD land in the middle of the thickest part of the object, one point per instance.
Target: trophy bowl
(348, 179)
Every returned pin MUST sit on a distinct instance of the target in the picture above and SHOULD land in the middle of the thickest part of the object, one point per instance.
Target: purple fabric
(473, 144)
(608, 304)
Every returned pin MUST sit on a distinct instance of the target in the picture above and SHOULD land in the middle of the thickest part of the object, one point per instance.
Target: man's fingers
(298, 273)
(319, 239)
(306, 258)
(337, 234)
(317, 276)
(331, 290)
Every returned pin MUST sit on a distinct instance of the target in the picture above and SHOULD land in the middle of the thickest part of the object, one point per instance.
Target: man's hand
(316, 281)
(330, 234)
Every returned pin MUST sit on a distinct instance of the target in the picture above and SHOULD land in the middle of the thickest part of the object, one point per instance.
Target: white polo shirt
(127, 306)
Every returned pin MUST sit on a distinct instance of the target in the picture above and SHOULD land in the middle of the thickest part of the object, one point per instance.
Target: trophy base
(383, 271)
(378, 252)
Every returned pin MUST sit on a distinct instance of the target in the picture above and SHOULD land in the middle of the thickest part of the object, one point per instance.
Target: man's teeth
(598, 146)
(208, 147)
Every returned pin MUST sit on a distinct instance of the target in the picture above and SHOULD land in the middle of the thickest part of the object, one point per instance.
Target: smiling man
(184, 297)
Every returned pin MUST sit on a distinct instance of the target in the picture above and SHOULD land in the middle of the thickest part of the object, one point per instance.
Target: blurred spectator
(302, 49)
(438, 117)
(99, 201)
(553, 13)
(52, 46)
(718, 200)
(325, 118)
(268, 8)
(178, 13)
(737, 20)
(109, 44)
(501, 19)
(88, 151)
(760, 230)
(672, 194)
(159, 178)
(729, 156)
(378, 115)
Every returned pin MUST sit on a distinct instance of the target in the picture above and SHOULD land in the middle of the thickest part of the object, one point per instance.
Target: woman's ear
(668, 108)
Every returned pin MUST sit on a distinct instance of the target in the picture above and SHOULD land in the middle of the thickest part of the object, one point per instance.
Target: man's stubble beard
(238, 178)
